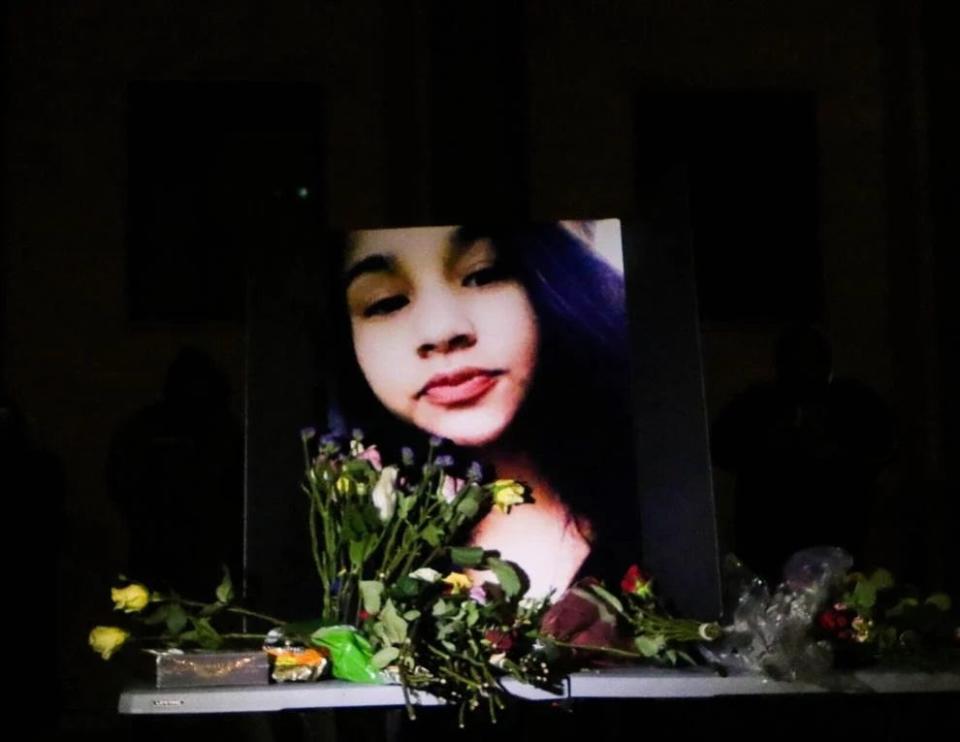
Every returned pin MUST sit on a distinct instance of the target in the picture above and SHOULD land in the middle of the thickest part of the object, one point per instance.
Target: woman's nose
(443, 325)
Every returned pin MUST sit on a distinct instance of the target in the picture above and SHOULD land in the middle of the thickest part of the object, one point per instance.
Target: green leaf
(506, 575)
(440, 608)
(407, 587)
(881, 579)
(939, 600)
(354, 525)
(432, 534)
(473, 615)
(384, 657)
(649, 646)
(607, 596)
(211, 609)
(469, 504)
(391, 627)
(225, 588)
(671, 655)
(204, 634)
(865, 594)
(360, 549)
(411, 615)
(903, 607)
(176, 618)
(404, 504)
(159, 615)
(466, 556)
(371, 593)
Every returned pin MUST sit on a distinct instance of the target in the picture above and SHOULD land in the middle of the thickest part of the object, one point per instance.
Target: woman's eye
(483, 276)
(386, 306)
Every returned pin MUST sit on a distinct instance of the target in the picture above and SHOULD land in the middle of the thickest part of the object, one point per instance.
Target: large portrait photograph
(510, 346)
(507, 352)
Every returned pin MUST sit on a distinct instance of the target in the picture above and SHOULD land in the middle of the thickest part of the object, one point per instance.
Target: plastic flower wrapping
(823, 617)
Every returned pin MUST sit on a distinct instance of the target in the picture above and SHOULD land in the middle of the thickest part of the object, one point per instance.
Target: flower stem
(594, 648)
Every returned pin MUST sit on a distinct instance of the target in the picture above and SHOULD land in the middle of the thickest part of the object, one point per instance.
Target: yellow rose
(105, 640)
(458, 582)
(506, 494)
(130, 599)
(343, 484)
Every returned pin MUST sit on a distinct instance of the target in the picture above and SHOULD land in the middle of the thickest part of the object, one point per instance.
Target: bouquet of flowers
(872, 617)
(824, 616)
(402, 599)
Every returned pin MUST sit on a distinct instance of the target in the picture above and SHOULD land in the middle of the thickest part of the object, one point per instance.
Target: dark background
(823, 134)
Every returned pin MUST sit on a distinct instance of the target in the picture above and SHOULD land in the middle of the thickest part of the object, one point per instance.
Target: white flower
(426, 574)
(385, 493)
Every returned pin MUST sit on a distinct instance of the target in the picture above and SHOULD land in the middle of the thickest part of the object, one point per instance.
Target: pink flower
(372, 455)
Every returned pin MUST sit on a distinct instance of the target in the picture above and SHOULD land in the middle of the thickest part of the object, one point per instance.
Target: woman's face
(445, 339)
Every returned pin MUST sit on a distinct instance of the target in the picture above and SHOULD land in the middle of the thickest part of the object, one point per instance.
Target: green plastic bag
(350, 653)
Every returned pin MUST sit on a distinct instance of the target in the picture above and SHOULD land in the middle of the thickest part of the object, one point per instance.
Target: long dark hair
(576, 423)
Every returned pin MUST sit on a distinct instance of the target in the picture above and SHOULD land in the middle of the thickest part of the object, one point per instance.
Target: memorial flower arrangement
(872, 617)
(824, 616)
(404, 601)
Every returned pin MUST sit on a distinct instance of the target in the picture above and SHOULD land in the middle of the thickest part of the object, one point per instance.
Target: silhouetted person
(176, 475)
(807, 453)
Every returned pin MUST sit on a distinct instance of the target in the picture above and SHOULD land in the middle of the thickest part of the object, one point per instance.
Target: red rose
(837, 622)
(636, 582)
(500, 641)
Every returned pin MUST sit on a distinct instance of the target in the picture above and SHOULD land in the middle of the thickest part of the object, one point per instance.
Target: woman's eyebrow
(371, 264)
(460, 244)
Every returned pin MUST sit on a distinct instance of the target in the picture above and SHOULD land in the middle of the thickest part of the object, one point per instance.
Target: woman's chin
(469, 433)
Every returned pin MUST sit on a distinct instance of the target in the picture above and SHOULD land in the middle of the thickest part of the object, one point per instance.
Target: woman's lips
(460, 387)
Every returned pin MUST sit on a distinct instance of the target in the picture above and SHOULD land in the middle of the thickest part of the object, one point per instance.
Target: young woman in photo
(511, 344)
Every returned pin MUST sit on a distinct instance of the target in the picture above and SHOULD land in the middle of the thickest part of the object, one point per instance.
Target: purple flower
(435, 441)
(357, 434)
(475, 472)
(406, 455)
(444, 461)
